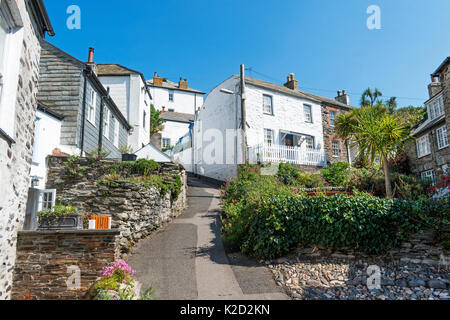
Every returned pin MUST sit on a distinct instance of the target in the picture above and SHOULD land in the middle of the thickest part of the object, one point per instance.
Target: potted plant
(60, 218)
(127, 153)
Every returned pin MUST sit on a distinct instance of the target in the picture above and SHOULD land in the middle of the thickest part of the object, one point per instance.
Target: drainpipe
(100, 132)
(243, 115)
(193, 134)
(83, 115)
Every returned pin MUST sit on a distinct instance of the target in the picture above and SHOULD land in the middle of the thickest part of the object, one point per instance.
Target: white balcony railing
(293, 155)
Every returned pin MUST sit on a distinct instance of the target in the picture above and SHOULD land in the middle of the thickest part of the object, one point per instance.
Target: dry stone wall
(136, 209)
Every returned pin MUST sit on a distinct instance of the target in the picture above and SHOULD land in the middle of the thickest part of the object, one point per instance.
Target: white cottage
(283, 125)
(178, 103)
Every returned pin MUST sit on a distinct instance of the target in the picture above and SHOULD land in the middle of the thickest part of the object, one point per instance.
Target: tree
(411, 115)
(376, 133)
(370, 98)
(157, 123)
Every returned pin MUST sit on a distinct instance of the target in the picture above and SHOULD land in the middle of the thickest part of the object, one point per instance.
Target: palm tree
(377, 135)
(370, 98)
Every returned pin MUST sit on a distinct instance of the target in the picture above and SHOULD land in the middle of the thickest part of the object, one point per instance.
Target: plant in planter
(60, 218)
(127, 153)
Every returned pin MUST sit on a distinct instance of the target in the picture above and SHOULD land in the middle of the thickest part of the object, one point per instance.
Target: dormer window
(436, 107)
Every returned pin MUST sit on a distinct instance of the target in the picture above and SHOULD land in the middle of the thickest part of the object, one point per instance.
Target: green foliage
(288, 174)
(73, 167)
(337, 174)
(58, 211)
(277, 223)
(98, 154)
(126, 149)
(157, 123)
(145, 167)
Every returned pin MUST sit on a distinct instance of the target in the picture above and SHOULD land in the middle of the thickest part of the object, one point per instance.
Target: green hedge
(276, 224)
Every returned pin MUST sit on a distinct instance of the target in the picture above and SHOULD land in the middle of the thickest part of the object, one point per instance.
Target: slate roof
(439, 69)
(424, 126)
(114, 70)
(298, 93)
(178, 117)
(167, 84)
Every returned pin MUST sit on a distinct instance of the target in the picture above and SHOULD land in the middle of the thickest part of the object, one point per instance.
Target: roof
(439, 69)
(297, 93)
(177, 117)
(167, 84)
(41, 15)
(427, 124)
(151, 152)
(48, 110)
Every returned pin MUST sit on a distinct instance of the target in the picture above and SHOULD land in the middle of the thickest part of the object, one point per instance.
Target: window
(171, 110)
(145, 118)
(116, 132)
(165, 143)
(307, 110)
(423, 146)
(442, 137)
(309, 143)
(436, 108)
(333, 116)
(171, 95)
(268, 137)
(428, 175)
(336, 146)
(91, 102)
(267, 104)
(106, 121)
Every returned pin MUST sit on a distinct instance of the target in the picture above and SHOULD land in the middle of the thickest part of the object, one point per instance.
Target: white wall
(46, 139)
(184, 102)
(131, 99)
(185, 159)
(174, 131)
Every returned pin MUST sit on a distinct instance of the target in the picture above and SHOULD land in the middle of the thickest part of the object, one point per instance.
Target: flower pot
(69, 222)
(129, 157)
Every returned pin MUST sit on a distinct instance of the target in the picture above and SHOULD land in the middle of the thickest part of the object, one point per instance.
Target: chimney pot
(339, 93)
(344, 92)
(291, 82)
(91, 55)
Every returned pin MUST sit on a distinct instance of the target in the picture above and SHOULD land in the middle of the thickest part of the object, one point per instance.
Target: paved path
(187, 259)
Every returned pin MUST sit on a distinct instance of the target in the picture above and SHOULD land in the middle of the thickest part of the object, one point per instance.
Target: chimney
(434, 87)
(291, 82)
(163, 109)
(157, 81)
(343, 98)
(91, 62)
(182, 84)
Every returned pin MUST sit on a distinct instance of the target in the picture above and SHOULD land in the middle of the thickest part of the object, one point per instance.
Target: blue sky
(325, 43)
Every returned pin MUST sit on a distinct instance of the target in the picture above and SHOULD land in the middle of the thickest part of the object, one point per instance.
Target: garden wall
(420, 249)
(136, 209)
(43, 259)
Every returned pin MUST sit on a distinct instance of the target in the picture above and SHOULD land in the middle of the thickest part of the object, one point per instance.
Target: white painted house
(47, 135)
(178, 103)
(132, 96)
(283, 125)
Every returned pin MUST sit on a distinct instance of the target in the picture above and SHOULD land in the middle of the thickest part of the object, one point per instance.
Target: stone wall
(420, 249)
(15, 158)
(43, 259)
(136, 209)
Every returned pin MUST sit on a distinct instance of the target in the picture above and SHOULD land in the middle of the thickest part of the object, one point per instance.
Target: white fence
(293, 155)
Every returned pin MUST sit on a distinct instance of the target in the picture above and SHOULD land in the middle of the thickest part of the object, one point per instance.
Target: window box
(129, 157)
(69, 222)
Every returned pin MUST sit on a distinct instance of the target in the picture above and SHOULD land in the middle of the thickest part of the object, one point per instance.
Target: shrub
(280, 222)
(337, 174)
(288, 174)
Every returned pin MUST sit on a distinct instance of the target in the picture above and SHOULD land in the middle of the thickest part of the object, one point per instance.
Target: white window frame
(333, 118)
(166, 142)
(106, 123)
(423, 146)
(308, 114)
(428, 174)
(10, 66)
(333, 149)
(269, 137)
(436, 107)
(442, 137)
(116, 132)
(267, 98)
(309, 143)
(171, 95)
(91, 101)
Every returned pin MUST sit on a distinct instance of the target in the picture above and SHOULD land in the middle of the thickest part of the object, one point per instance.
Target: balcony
(287, 154)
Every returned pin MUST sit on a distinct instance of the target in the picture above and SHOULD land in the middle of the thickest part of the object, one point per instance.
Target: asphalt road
(187, 259)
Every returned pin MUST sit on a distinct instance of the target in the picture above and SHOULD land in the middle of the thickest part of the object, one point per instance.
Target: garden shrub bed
(265, 218)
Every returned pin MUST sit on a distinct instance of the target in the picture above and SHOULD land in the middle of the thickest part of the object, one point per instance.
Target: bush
(288, 174)
(278, 223)
(337, 174)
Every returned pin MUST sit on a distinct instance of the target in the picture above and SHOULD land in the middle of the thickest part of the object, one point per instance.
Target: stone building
(72, 88)
(23, 24)
(284, 124)
(429, 156)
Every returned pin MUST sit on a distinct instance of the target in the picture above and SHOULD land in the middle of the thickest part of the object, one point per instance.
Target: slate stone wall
(44, 260)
